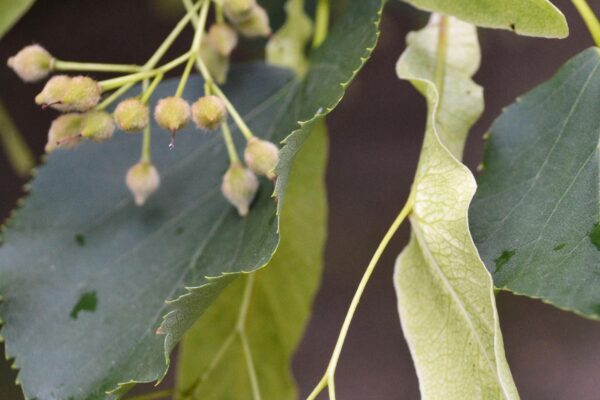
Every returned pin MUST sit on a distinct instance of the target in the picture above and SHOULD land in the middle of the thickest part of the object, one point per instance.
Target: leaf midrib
(437, 269)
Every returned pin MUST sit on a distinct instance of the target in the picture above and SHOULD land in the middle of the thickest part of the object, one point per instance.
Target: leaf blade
(11, 12)
(545, 194)
(276, 316)
(525, 17)
(445, 295)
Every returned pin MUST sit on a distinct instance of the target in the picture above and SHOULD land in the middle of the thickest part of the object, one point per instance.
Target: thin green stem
(231, 151)
(442, 53)
(323, 383)
(59, 65)
(239, 121)
(110, 84)
(219, 14)
(321, 23)
(330, 372)
(590, 19)
(148, 90)
(113, 96)
(163, 394)
(153, 60)
(214, 88)
(166, 44)
(196, 42)
(17, 151)
(145, 156)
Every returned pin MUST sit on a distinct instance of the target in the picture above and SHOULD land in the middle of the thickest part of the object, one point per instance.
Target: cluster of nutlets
(77, 97)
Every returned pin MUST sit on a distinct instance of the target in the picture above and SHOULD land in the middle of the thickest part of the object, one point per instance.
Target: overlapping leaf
(445, 295)
(84, 273)
(525, 17)
(11, 11)
(535, 216)
(212, 361)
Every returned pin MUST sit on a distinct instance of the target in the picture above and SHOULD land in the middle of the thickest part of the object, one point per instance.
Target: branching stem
(328, 378)
(196, 43)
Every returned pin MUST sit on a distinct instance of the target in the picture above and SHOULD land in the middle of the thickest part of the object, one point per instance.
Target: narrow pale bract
(445, 294)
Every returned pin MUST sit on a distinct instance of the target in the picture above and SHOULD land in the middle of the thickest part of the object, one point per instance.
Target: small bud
(222, 38)
(32, 63)
(208, 112)
(172, 113)
(65, 131)
(262, 157)
(97, 125)
(217, 64)
(131, 115)
(142, 180)
(256, 25)
(239, 187)
(238, 10)
(66, 94)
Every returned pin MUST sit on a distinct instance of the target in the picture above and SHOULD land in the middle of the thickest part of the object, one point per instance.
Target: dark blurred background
(375, 135)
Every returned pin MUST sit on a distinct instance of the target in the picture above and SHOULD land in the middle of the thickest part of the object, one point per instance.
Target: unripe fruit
(131, 115)
(256, 25)
(66, 94)
(238, 10)
(142, 180)
(239, 187)
(32, 63)
(222, 38)
(208, 112)
(65, 131)
(262, 157)
(97, 126)
(217, 64)
(172, 113)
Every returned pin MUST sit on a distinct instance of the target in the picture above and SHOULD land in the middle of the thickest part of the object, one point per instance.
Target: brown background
(375, 135)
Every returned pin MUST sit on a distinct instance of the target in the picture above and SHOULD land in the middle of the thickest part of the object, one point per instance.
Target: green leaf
(133, 259)
(11, 11)
(212, 363)
(79, 232)
(333, 66)
(287, 46)
(525, 17)
(445, 294)
(538, 196)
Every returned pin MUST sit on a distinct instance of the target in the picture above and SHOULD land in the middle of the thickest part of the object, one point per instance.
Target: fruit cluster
(84, 101)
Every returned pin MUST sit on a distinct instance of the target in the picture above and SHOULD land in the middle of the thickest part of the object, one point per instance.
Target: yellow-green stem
(210, 83)
(110, 84)
(239, 121)
(148, 90)
(219, 14)
(590, 19)
(328, 378)
(17, 151)
(321, 22)
(196, 43)
(154, 59)
(145, 157)
(231, 151)
(59, 65)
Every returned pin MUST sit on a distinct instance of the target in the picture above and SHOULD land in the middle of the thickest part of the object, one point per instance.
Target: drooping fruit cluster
(83, 101)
